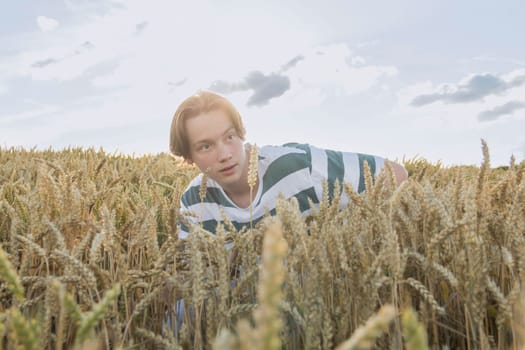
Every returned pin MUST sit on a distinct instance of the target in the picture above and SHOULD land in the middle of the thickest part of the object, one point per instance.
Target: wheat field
(90, 259)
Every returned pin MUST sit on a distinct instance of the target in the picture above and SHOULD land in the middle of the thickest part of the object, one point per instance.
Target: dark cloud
(172, 86)
(264, 87)
(292, 63)
(223, 87)
(475, 89)
(139, 27)
(44, 63)
(495, 113)
(87, 45)
(517, 81)
(177, 83)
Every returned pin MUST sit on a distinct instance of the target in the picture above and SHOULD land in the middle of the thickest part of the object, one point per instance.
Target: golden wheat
(448, 243)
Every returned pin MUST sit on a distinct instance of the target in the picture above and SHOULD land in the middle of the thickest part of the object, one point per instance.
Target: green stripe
(336, 170)
(213, 195)
(302, 198)
(211, 225)
(371, 163)
(282, 167)
(303, 147)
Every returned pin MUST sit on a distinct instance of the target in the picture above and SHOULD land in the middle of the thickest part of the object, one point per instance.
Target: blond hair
(201, 102)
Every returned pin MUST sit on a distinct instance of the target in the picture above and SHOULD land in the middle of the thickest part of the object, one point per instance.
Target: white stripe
(351, 175)
(351, 164)
(380, 162)
(210, 211)
(183, 234)
(288, 186)
(274, 152)
(319, 169)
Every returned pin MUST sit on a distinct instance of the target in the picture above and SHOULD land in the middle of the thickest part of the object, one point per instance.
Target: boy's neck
(241, 197)
(239, 193)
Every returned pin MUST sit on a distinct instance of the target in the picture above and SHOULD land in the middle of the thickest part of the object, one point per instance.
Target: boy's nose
(224, 154)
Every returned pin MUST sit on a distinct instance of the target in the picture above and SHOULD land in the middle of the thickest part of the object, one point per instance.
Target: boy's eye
(231, 136)
(203, 147)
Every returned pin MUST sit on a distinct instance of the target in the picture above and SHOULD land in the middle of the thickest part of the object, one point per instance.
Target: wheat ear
(253, 169)
(9, 275)
(90, 320)
(24, 332)
(413, 331)
(365, 336)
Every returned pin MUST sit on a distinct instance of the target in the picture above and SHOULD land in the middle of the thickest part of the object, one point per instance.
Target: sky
(401, 79)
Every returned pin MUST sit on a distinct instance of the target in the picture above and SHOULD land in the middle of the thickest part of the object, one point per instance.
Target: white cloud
(3, 89)
(219, 50)
(37, 110)
(357, 61)
(514, 74)
(484, 58)
(335, 69)
(47, 24)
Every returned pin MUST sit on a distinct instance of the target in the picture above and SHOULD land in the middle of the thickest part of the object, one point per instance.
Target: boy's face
(216, 147)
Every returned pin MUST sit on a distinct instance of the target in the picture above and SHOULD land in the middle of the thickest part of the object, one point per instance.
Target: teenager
(207, 130)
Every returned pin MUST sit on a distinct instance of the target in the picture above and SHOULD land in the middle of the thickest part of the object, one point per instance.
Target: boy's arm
(400, 172)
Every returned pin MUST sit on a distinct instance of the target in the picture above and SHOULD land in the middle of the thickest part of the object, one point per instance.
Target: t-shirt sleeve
(328, 165)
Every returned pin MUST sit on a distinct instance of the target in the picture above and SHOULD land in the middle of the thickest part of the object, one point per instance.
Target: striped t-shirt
(293, 170)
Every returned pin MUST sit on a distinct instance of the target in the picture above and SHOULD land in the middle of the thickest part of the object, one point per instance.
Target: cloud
(495, 113)
(319, 71)
(336, 70)
(31, 116)
(474, 89)
(47, 24)
(87, 45)
(83, 48)
(292, 63)
(43, 63)
(264, 87)
(483, 58)
(173, 85)
(98, 7)
(356, 61)
(140, 27)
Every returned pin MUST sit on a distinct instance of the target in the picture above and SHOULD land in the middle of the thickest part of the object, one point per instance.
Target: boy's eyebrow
(205, 140)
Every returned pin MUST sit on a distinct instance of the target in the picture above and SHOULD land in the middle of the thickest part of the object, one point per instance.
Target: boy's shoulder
(274, 152)
(283, 159)
(197, 181)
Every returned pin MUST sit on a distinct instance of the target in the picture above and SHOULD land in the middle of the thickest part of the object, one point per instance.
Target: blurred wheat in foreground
(90, 259)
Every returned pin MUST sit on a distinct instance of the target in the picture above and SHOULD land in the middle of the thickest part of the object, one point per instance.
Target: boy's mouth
(228, 169)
